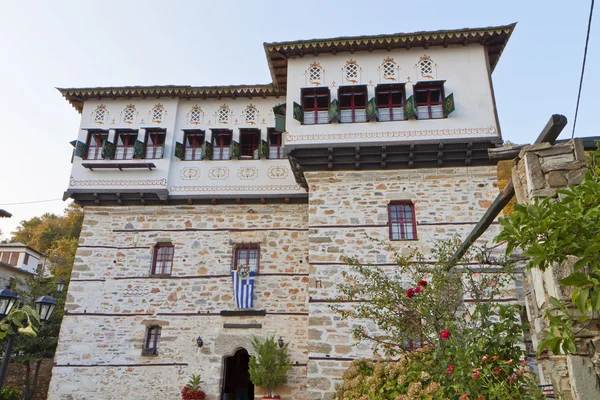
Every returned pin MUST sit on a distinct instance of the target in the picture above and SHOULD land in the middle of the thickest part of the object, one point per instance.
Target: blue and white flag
(243, 287)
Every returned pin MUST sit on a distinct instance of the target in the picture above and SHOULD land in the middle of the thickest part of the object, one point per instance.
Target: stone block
(576, 177)
(556, 179)
(533, 171)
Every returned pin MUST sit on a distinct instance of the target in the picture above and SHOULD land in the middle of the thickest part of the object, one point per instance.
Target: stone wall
(539, 172)
(112, 298)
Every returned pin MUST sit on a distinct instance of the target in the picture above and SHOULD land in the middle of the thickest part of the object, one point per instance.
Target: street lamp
(280, 342)
(8, 299)
(60, 285)
(45, 306)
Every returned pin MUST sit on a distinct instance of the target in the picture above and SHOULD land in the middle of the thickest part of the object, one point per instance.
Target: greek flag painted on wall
(243, 287)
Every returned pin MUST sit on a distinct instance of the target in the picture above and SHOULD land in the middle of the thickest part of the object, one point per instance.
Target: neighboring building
(384, 136)
(19, 261)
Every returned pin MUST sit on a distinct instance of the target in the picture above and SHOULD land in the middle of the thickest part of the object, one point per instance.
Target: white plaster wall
(464, 68)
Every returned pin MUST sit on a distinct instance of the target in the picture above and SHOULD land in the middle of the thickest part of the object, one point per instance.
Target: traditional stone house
(18, 261)
(384, 136)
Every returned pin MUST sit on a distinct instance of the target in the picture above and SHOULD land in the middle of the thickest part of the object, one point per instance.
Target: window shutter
(334, 111)
(279, 112)
(449, 104)
(234, 153)
(139, 149)
(298, 112)
(409, 108)
(371, 109)
(208, 151)
(179, 151)
(80, 148)
(108, 149)
(263, 151)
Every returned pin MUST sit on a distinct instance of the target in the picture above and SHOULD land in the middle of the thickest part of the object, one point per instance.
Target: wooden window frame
(422, 88)
(388, 90)
(353, 92)
(151, 133)
(315, 94)
(279, 143)
(131, 136)
(152, 340)
(26, 259)
(196, 148)
(401, 223)
(247, 150)
(98, 147)
(220, 135)
(248, 248)
(158, 255)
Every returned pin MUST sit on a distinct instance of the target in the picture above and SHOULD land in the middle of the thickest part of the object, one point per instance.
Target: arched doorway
(236, 379)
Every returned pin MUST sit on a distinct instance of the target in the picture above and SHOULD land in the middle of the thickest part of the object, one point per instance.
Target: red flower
(464, 397)
(512, 378)
(495, 358)
(524, 362)
(410, 293)
(497, 371)
(418, 289)
(445, 334)
(484, 359)
(480, 397)
(476, 375)
(422, 283)
(450, 369)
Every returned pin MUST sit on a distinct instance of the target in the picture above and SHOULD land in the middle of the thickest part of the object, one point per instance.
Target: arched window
(158, 113)
(196, 115)
(315, 74)
(129, 114)
(223, 114)
(388, 69)
(426, 66)
(250, 115)
(100, 114)
(351, 70)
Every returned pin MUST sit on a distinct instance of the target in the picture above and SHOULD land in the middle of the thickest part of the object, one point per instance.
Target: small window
(100, 114)
(155, 143)
(223, 114)
(402, 222)
(351, 71)
(353, 103)
(129, 114)
(196, 115)
(125, 141)
(158, 113)
(275, 144)
(95, 140)
(429, 97)
(249, 140)
(221, 140)
(315, 102)
(162, 262)
(26, 259)
(390, 102)
(152, 340)
(194, 143)
(247, 255)
(14, 258)
(251, 115)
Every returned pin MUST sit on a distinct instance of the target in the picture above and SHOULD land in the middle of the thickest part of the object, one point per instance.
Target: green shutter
(409, 108)
(179, 151)
(139, 149)
(80, 148)
(334, 111)
(298, 112)
(234, 152)
(371, 109)
(208, 150)
(449, 104)
(108, 149)
(263, 150)
(279, 112)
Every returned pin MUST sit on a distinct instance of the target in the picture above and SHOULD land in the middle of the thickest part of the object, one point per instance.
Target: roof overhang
(5, 214)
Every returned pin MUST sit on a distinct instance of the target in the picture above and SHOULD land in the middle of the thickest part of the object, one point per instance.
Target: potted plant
(269, 368)
(192, 390)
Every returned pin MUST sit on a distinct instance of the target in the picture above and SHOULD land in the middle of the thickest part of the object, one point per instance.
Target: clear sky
(48, 44)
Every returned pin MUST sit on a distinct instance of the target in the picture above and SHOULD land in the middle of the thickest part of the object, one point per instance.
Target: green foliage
(25, 319)
(269, 368)
(192, 389)
(10, 393)
(553, 231)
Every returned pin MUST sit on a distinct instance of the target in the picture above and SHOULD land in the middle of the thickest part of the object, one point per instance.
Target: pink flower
(524, 362)
(480, 397)
(445, 334)
(418, 289)
(509, 361)
(484, 359)
(476, 375)
(512, 378)
(410, 293)
(464, 397)
(497, 371)
(450, 369)
(495, 358)
(422, 283)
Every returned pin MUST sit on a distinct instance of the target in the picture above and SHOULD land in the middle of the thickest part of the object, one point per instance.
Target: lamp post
(45, 306)
(60, 286)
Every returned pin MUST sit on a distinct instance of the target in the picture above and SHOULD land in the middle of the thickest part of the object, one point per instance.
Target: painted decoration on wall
(247, 173)
(250, 115)
(351, 72)
(158, 114)
(190, 173)
(129, 114)
(235, 188)
(195, 116)
(118, 182)
(389, 70)
(426, 68)
(315, 74)
(218, 173)
(224, 114)
(100, 114)
(277, 172)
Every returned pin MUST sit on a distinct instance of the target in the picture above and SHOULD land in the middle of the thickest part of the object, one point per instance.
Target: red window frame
(94, 144)
(247, 254)
(384, 95)
(275, 140)
(348, 96)
(249, 140)
(221, 139)
(428, 102)
(401, 227)
(193, 143)
(312, 102)
(152, 339)
(155, 139)
(125, 140)
(162, 261)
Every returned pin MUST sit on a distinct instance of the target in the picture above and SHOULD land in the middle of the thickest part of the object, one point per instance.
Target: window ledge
(149, 353)
(119, 166)
(160, 275)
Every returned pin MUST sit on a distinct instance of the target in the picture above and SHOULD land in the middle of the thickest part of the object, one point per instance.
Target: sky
(44, 45)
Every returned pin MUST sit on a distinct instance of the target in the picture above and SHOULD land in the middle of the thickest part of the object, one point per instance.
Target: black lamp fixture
(45, 306)
(199, 342)
(280, 342)
(60, 285)
(8, 299)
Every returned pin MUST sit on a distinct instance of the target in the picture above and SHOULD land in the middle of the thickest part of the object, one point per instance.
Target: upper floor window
(158, 113)
(193, 142)
(195, 115)
(129, 114)
(100, 114)
(402, 221)
(152, 340)
(10, 257)
(249, 140)
(427, 68)
(353, 103)
(247, 255)
(315, 103)
(223, 114)
(388, 69)
(275, 140)
(429, 98)
(251, 115)
(221, 141)
(351, 72)
(94, 142)
(155, 143)
(390, 102)
(162, 261)
(315, 74)
(125, 145)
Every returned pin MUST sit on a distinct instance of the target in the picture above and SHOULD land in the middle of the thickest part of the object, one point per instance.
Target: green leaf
(596, 299)
(581, 299)
(580, 264)
(575, 279)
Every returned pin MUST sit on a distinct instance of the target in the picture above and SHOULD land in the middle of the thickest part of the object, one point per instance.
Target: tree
(269, 368)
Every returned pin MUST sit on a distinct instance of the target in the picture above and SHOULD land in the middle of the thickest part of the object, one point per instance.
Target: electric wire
(29, 202)
(587, 39)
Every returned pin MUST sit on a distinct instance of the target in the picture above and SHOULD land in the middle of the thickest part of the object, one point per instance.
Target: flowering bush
(192, 390)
